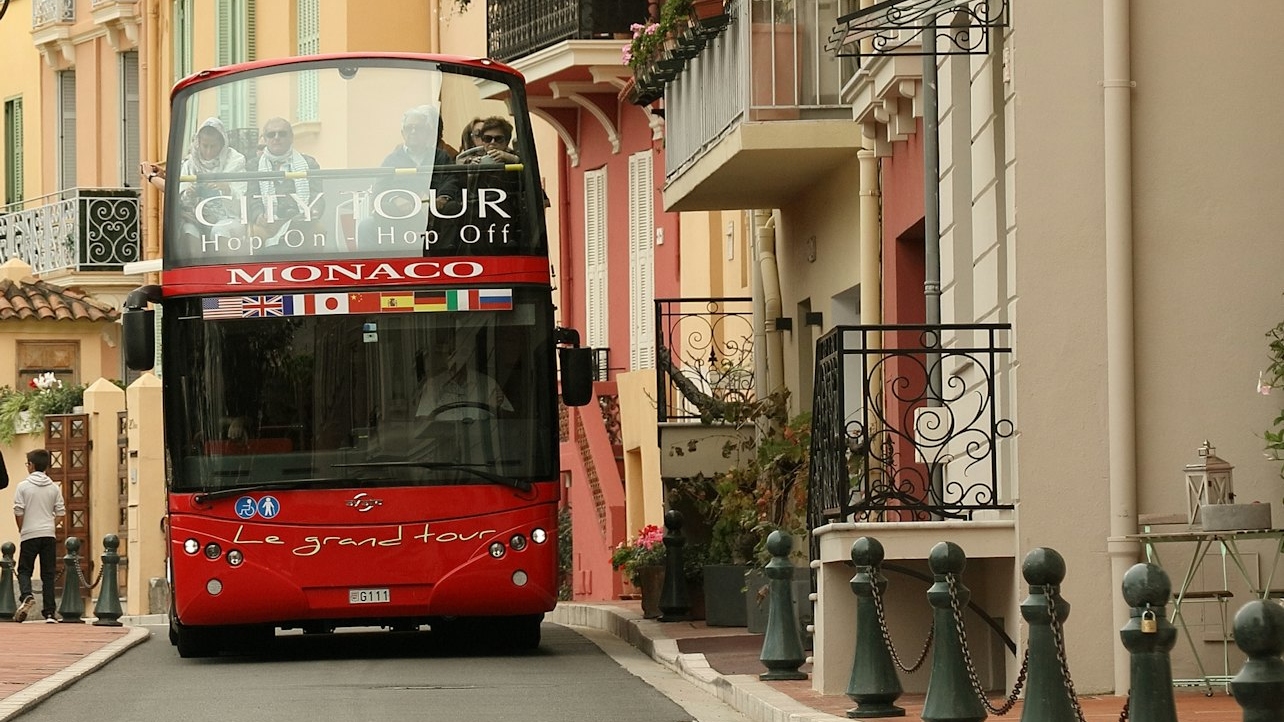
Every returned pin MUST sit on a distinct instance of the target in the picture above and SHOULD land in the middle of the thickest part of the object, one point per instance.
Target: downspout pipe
(764, 229)
(1120, 359)
(152, 94)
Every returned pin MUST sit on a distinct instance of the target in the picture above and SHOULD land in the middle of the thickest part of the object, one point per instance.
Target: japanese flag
(330, 303)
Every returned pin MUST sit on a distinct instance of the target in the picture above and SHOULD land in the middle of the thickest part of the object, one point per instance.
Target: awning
(896, 27)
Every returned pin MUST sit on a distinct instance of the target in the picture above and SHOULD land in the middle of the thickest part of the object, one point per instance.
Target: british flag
(260, 306)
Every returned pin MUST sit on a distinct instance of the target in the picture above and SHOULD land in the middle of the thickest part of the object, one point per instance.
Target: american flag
(259, 306)
(222, 307)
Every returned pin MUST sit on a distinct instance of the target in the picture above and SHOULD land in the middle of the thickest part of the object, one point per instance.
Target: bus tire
(521, 634)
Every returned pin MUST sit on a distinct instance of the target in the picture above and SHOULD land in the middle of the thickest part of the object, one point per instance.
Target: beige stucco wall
(22, 78)
(644, 493)
(1206, 267)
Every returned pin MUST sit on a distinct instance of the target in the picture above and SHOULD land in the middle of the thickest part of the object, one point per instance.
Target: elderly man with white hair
(397, 214)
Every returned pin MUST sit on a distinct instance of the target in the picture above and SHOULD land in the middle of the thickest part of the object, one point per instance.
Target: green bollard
(1259, 686)
(71, 608)
(1149, 638)
(874, 685)
(950, 695)
(675, 602)
(782, 649)
(108, 610)
(8, 602)
(1048, 693)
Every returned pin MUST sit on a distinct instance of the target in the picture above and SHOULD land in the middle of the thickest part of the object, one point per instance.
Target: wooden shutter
(130, 130)
(596, 302)
(308, 39)
(182, 32)
(13, 155)
(67, 129)
(641, 262)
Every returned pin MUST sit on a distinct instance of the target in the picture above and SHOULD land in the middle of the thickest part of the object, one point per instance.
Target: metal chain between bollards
(1011, 701)
(1058, 640)
(887, 640)
(1123, 713)
(84, 583)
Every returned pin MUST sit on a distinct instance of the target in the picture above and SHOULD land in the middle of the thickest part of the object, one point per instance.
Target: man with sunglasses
(291, 196)
(398, 216)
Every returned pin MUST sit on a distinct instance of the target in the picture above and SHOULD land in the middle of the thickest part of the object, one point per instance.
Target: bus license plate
(369, 596)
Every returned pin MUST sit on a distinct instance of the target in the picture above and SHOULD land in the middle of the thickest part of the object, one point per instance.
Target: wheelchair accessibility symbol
(245, 507)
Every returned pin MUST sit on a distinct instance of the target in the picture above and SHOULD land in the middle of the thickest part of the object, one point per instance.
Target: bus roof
(213, 73)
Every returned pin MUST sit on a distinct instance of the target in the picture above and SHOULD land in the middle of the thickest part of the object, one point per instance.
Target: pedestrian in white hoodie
(37, 503)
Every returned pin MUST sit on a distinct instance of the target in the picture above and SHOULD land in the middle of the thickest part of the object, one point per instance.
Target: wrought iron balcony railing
(704, 356)
(44, 12)
(80, 229)
(906, 422)
(516, 28)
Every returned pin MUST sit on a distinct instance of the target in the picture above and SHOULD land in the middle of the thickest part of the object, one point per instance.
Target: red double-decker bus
(359, 352)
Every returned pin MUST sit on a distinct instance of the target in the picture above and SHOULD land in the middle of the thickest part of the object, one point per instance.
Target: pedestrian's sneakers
(51, 619)
(24, 609)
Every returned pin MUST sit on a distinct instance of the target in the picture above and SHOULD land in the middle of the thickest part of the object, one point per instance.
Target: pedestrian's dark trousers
(46, 548)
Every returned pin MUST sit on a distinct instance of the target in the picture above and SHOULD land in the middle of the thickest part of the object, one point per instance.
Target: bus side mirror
(577, 375)
(138, 328)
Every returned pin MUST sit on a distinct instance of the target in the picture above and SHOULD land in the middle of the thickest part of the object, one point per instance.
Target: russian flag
(495, 299)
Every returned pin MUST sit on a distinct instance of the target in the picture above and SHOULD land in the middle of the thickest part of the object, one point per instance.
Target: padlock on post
(1149, 624)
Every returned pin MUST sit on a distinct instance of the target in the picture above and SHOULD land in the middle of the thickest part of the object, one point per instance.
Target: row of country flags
(321, 304)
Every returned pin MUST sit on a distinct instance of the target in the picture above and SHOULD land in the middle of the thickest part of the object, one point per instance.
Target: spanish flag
(395, 302)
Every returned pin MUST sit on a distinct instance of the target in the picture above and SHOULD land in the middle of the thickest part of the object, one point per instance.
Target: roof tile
(36, 299)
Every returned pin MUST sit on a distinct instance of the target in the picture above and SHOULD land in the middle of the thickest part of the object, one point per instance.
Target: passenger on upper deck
(495, 135)
(210, 153)
(295, 203)
(394, 215)
(471, 137)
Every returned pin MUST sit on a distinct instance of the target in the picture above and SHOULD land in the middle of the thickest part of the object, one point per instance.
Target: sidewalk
(39, 659)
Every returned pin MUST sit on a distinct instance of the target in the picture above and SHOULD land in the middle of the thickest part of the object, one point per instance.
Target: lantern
(1207, 482)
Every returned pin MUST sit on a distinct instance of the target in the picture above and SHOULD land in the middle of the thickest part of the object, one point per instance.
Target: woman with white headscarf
(210, 153)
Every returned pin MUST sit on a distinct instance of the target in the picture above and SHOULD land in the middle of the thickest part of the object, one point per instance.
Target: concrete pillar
(103, 400)
(147, 544)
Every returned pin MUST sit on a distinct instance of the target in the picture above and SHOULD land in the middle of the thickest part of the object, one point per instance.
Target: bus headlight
(520, 578)
(235, 557)
(214, 587)
(213, 551)
(539, 536)
(517, 542)
(497, 549)
(191, 546)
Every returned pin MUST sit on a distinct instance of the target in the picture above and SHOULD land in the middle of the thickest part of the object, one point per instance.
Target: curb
(32, 695)
(746, 694)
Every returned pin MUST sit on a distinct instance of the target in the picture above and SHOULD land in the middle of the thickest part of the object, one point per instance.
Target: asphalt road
(380, 676)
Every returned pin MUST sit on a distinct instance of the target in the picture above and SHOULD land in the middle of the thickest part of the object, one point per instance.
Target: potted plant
(641, 559)
(744, 504)
(24, 410)
(1273, 378)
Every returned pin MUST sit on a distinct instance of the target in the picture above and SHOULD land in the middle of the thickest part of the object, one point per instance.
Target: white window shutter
(596, 301)
(641, 261)
(308, 42)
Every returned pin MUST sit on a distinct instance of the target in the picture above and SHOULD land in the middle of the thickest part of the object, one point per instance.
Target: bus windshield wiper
(518, 484)
(205, 496)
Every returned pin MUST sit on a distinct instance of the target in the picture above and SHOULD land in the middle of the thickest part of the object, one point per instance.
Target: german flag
(430, 301)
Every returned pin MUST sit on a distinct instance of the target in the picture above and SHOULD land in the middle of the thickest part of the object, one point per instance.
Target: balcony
(81, 230)
(121, 20)
(570, 53)
(778, 125)
(51, 22)
(704, 368)
(908, 423)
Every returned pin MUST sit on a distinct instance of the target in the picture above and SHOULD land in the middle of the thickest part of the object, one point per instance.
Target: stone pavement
(38, 659)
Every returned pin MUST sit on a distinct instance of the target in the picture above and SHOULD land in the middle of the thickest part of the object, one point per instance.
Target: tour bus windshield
(351, 158)
(454, 390)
